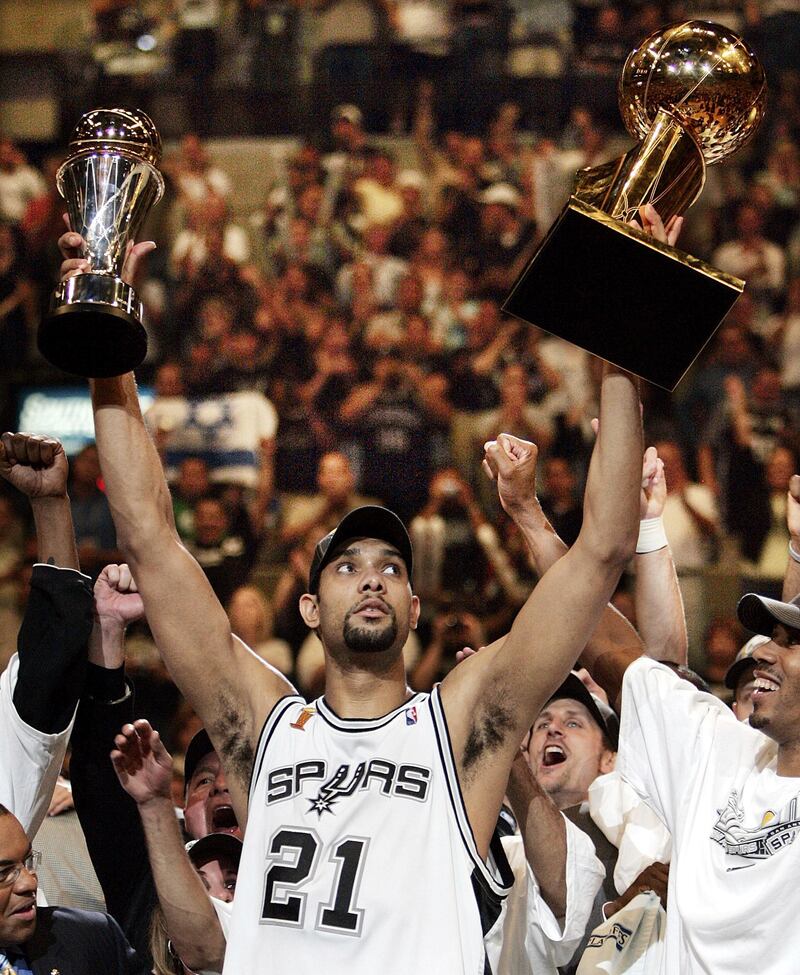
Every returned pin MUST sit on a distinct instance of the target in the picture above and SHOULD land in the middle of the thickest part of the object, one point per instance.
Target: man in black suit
(45, 940)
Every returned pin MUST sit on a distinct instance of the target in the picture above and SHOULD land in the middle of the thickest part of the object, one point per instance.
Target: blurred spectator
(515, 414)
(251, 620)
(192, 484)
(783, 332)
(374, 274)
(91, 516)
(460, 556)
(768, 536)
(723, 638)
(737, 442)
(195, 176)
(560, 498)
(422, 30)
(752, 257)
(395, 418)
(505, 241)
(18, 306)
(226, 558)
(378, 196)
(206, 218)
(451, 631)
(19, 182)
(336, 495)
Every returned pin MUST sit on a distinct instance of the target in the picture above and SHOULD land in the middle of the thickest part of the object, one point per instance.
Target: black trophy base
(612, 290)
(92, 340)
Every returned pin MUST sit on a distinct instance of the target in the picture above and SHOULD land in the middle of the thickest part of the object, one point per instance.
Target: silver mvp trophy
(109, 182)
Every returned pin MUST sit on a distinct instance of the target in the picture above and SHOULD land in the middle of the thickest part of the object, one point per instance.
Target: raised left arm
(489, 709)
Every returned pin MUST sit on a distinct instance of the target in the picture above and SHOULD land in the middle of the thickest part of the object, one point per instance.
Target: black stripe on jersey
(280, 708)
(358, 725)
(489, 903)
(499, 887)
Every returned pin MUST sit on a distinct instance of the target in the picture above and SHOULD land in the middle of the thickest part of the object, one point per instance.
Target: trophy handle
(667, 170)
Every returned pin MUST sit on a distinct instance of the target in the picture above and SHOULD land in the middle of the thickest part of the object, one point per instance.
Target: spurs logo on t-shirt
(773, 834)
(378, 775)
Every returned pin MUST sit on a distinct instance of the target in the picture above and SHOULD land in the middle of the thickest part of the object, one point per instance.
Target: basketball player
(371, 811)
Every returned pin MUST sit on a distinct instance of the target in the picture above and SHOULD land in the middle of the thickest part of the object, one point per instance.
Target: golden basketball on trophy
(692, 94)
(109, 182)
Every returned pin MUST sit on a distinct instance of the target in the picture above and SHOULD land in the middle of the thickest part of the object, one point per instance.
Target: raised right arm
(791, 580)
(225, 682)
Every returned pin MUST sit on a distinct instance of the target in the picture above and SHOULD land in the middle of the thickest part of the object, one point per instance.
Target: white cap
(503, 193)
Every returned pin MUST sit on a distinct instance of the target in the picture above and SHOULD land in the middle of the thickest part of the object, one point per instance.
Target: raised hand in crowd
(142, 763)
(144, 769)
(117, 604)
(36, 466)
(791, 581)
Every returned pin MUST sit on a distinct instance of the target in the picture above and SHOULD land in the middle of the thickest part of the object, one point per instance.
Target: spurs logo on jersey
(378, 775)
(773, 833)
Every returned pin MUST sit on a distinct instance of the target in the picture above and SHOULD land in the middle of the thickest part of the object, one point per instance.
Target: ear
(413, 613)
(309, 610)
(607, 761)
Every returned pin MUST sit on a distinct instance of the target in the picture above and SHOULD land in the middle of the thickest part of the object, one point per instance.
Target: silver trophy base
(94, 327)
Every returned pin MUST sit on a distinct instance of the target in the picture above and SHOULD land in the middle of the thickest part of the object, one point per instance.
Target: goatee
(370, 639)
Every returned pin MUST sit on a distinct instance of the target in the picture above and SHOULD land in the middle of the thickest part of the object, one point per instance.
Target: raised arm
(105, 811)
(39, 691)
(490, 708)
(659, 604)
(144, 769)
(37, 466)
(791, 581)
(544, 834)
(229, 686)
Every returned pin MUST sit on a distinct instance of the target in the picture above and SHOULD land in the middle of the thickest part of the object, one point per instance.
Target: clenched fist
(36, 466)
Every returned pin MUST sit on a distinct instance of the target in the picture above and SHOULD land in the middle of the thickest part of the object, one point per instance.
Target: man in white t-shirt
(728, 795)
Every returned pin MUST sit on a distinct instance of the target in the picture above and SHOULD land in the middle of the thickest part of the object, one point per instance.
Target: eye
(392, 568)
(345, 568)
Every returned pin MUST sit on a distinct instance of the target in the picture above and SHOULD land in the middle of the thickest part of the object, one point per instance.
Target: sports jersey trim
(359, 725)
(280, 708)
(484, 874)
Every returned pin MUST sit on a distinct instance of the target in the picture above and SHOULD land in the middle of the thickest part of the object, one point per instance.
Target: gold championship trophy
(109, 182)
(693, 94)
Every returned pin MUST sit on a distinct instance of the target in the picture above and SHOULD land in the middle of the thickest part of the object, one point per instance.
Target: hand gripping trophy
(693, 93)
(109, 182)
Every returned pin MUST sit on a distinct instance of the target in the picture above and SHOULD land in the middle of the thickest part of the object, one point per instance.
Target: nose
(26, 883)
(220, 784)
(555, 730)
(767, 653)
(372, 580)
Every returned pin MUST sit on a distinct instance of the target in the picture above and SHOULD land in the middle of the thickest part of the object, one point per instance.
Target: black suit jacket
(72, 942)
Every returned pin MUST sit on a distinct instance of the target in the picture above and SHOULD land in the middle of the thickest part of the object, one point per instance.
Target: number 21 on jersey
(295, 859)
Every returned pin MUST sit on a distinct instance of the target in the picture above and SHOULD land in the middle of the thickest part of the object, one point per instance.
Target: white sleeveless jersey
(358, 856)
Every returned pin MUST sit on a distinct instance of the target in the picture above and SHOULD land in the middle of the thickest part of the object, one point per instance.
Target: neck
(355, 688)
(789, 759)
(568, 798)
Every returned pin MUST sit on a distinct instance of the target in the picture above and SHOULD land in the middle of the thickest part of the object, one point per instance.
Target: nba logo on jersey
(411, 715)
